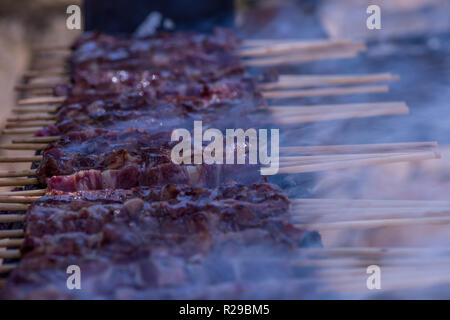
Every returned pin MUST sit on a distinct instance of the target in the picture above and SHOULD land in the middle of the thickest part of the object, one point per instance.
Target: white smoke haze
(415, 44)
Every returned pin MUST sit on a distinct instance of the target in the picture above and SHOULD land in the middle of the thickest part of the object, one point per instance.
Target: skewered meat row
(99, 149)
(221, 39)
(133, 175)
(98, 51)
(167, 116)
(222, 51)
(172, 210)
(224, 85)
(154, 115)
(102, 159)
(224, 65)
(138, 225)
(149, 242)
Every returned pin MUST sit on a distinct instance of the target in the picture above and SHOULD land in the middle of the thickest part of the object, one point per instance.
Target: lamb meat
(162, 242)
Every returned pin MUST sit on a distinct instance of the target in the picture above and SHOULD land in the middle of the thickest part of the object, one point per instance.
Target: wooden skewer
(7, 218)
(357, 162)
(265, 42)
(27, 193)
(32, 118)
(35, 92)
(289, 94)
(37, 139)
(328, 78)
(336, 160)
(50, 59)
(334, 108)
(53, 65)
(31, 146)
(268, 42)
(368, 224)
(36, 110)
(40, 101)
(291, 119)
(367, 203)
(299, 58)
(7, 268)
(18, 182)
(20, 159)
(306, 215)
(35, 86)
(46, 73)
(328, 210)
(22, 131)
(11, 243)
(286, 160)
(16, 173)
(344, 156)
(29, 124)
(373, 252)
(342, 212)
(327, 157)
(12, 233)
(393, 270)
(18, 199)
(380, 147)
(46, 82)
(299, 47)
(51, 47)
(47, 57)
(332, 263)
(363, 264)
(309, 114)
(291, 82)
(10, 254)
